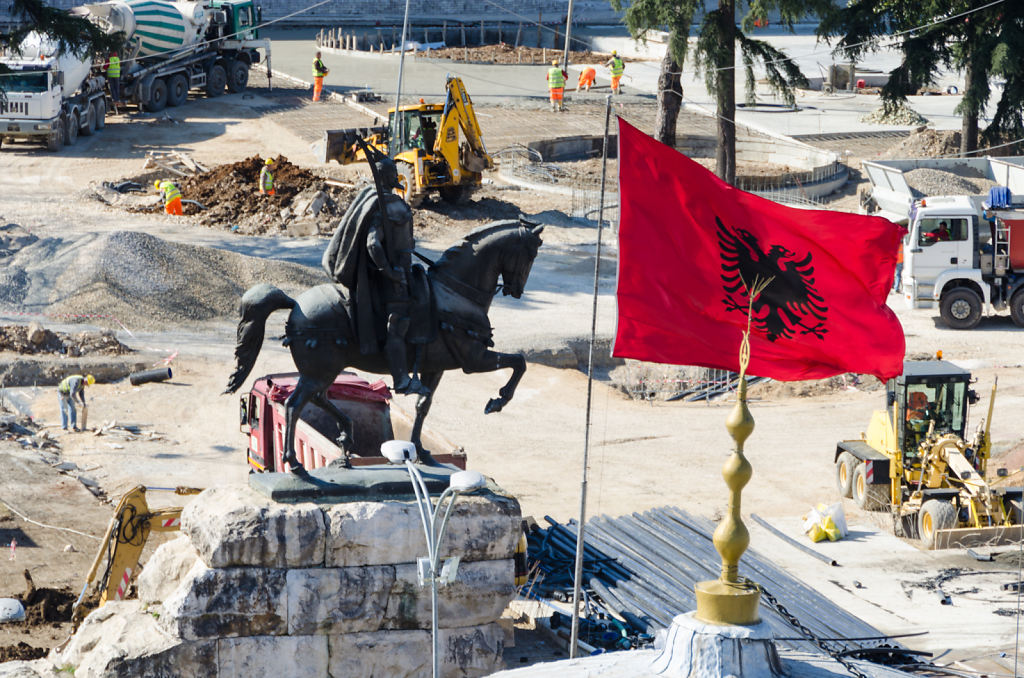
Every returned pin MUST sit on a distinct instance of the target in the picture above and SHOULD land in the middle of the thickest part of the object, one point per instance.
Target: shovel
(85, 416)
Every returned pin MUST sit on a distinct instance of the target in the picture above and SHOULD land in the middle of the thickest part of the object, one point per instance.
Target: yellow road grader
(915, 460)
(437, 147)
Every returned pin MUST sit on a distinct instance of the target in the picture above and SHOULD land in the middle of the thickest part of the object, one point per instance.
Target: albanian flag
(691, 246)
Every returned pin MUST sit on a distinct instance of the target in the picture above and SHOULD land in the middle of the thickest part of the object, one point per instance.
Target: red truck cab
(376, 418)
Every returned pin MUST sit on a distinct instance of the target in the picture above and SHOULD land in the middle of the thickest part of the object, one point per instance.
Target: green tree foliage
(70, 33)
(714, 56)
(981, 39)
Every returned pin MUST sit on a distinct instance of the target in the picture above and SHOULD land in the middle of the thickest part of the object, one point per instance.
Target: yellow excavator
(126, 536)
(437, 147)
(915, 461)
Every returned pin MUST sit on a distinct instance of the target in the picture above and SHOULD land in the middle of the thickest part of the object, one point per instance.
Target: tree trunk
(670, 99)
(726, 94)
(969, 118)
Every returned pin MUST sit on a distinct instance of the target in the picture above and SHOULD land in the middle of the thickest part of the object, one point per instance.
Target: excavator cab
(418, 130)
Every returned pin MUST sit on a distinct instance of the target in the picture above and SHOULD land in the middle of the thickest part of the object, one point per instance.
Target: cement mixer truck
(171, 48)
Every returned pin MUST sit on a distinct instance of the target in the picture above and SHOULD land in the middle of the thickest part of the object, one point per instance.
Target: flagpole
(578, 570)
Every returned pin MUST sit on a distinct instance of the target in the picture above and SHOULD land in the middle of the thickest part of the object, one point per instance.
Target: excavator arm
(459, 113)
(124, 540)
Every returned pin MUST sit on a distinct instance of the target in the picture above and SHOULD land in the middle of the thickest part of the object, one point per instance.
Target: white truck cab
(956, 256)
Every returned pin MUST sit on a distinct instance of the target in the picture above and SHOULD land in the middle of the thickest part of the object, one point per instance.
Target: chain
(826, 647)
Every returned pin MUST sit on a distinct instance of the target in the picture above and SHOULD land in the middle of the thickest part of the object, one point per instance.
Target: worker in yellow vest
(114, 76)
(172, 196)
(617, 66)
(267, 177)
(71, 387)
(319, 72)
(556, 86)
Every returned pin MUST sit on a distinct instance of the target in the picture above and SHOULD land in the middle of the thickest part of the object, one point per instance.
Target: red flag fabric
(690, 244)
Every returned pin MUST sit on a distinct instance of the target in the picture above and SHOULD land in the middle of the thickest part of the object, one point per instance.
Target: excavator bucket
(340, 144)
(972, 537)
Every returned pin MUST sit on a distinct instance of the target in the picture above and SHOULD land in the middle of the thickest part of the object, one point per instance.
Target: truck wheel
(411, 193)
(238, 76)
(90, 122)
(844, 473)
(961, 309)
(1017, 308)
(157, 96)
(100, 113)
(177, 90)
(216, 81)
(868, 497)
(935, 515)
(71, 129)
(55, 141)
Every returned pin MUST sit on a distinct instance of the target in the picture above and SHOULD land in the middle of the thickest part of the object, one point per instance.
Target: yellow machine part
(125, 538)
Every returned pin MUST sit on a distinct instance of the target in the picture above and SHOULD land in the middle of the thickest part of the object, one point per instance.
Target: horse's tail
(257, 304)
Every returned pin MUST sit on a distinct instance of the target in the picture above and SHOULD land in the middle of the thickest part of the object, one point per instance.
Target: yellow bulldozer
(437, 147)
(915, 461)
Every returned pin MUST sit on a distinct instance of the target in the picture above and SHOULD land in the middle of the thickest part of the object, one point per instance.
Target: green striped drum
(166, 26)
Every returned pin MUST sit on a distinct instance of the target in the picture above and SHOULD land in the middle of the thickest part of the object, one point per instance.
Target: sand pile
(137, 279)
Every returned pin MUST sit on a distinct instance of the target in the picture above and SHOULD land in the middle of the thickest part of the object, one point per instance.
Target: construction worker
(556, 86)
(172, 196)
(617, 66)
(68, 389)
(267, 177)
(587, 78)
(319, 71)
(114, 76)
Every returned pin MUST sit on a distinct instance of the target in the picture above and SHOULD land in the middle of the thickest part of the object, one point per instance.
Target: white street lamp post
(400, 451)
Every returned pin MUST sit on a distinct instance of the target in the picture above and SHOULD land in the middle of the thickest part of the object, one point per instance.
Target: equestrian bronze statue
(448, 327)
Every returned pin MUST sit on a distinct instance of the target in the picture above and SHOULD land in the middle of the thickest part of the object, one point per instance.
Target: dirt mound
(43, 606)
(899, 115)
(33, 339)
(229, 194)
(926, 143)
(504, 53)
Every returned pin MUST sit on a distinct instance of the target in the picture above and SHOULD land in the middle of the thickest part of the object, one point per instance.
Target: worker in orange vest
(899, 269)
(556, 86)
(319, 72)
(587, 78)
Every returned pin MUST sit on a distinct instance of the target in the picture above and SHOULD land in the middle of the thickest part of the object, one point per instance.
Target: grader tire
(844, 473)
(935, 515)
(868, 497)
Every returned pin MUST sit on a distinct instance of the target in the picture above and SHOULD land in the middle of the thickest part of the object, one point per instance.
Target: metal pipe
(793, 542)
(146, 376)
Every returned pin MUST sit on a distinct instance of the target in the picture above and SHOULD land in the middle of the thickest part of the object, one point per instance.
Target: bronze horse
(318, 332)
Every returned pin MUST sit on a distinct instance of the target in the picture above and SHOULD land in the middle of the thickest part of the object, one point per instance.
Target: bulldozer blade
(968, 537)
(340, 144)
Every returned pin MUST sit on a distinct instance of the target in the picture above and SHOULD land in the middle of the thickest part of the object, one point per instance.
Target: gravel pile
(138, 279)
(927, 143)
(902, 115)
(962, 180)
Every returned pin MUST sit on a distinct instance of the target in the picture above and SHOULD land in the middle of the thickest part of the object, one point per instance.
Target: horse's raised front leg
(430, 380)
(490, 361)
(304, 391)
(346, 439)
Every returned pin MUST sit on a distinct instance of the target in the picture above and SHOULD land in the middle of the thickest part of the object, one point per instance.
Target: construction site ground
(642, 453)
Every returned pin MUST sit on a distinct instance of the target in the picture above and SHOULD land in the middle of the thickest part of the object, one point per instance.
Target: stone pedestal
(698, 650)
(254, 587)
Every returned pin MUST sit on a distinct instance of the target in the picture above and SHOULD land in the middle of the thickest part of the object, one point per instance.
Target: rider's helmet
(388, 172)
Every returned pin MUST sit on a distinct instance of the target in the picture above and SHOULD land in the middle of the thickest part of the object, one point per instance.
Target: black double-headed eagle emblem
(789, 304)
